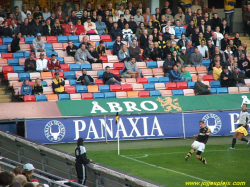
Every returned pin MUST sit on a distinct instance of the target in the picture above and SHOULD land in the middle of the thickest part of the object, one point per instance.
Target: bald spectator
(21, 179)
(201, 88)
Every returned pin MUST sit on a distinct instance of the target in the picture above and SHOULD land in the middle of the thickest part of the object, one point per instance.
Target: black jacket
(107, 76)
(143, 42)
(189, 31)
(26, 29)
(224, 30)
(115, 32)
(46, 31)
(37, 89)
(148, 53)
(5, 31)
(116, 48)
(121, 24)
(239, 78)
(224, 44)
(215, 23)
(243, 64)
(30, 65)
(81, 79)
(237, 42)
(74, 20)
(207, 36)
(236, 54)
(81, 155)
(166, 36)
(71, 51)
(133, 26)
(229, 82)
(15, 45)
(166, 65)
(56, 31)
(37, 29)
(180, 43)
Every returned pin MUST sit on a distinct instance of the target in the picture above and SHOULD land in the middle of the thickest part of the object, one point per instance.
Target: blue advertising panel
(93, 129)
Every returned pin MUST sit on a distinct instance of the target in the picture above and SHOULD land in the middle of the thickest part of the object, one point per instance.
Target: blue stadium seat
(48, 47)
(44, 83)
(74, 39)
(100, 73)
(72, 82)
(104, 88)
(149, 87)
(77, 44)
(81, 89)
(23, 76)
(4, 48)
(26, 55)
(13, 62)
(86, 66)
(63, 97)
(40, 98)
(222, 90)
(7, 41)
(69, 75)
(74, 67)
(49, 53)
(98, 96)
(164, 79)
(177, 92)
(155, 93)
(213, 90)
(215, 84)
(191, 85)
(18, 55)
(18, 69)
(110, 45)
(153, 80)
(152, 64)
(61, 59)
(62, 39)
(109, 95)
(205, 62)
(29, 40)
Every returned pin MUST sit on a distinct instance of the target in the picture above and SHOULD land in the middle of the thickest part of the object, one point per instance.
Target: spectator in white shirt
(41, 64)
(216, 41)
(116, 16)
(127, 15)
(203, 50)
(219, 35)
(24, 12)
(128, 34)
(171, 29)
(138, 17)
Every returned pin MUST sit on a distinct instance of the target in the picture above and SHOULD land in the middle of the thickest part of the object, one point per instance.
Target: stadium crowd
(183, 39)
(20, 177)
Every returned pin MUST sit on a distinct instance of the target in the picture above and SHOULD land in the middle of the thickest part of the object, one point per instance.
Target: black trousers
(206, 92)
(81, 173)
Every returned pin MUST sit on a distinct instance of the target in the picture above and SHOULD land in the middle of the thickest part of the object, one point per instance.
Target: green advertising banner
(152, 104)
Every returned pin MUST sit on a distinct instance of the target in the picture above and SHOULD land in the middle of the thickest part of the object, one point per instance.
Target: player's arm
(195, 136)
(236, 120)
(208, 132)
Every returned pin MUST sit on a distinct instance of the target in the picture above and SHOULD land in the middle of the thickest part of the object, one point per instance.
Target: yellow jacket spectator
(217, 71)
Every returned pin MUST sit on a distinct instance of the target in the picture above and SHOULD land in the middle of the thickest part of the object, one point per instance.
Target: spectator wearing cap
(17, 15)
(58, 84)
(90, 27)
(135, 51)
(109, 78)
(121, 22)
(101, 49)
(70, 29)
(41, 64)
(26, 28)
(26, 88)
(73, 17)
(201, 88)
(138, 18)
(53, 64)
(115, 31)
(30, 64)
(83, 56)
(57, 29)
(47, 30)
(131, 70)
(6, 178)
(184, 58)
(15, 46)
(85, 79)
(80, 28)
(79, 12)
(28, 171)
(37, 27)
(196, 57)
(100, 26)
(38, 44)
(227, 78)
(71, 49)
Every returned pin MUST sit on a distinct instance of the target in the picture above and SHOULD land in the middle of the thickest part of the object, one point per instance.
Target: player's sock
(233, 142)
(189, 154)
(201, 159)
(244, 140)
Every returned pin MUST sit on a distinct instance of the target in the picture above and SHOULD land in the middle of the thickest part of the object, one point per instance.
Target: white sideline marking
(166, 169)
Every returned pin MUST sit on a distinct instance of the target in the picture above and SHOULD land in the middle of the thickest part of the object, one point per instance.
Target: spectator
(175, 75)
(190, 48)
(201, 88)
(57, 29)
(94, 17)
(37, 27)
(135, 51)
(155, 22)
(131, 9)
(196, 57)
(71, 49)
(246, 19)
(90, 27)
(6, 178)
(138, 18)
(239, 52)
(149, 53)
(244, 65)
(82, 56)
(37, 13)
(14, 28)
(85, 79)
(110, 9)
(110, 78)
(46, 13)
(53, 18)
(150, 27)
(109, 24)
(217, 52)
(190, 29)
(101, 49)
(180, 16)
(80, 28)
(121, 10)
(184, 58)
(237, 40)
(17, 15)
(26, 88)
(144, 39)
(21, 179)
(232, 46)
(186, 74)
(217, 69)
(147, 16)
(188, 15)
(140, 8)
(224, 28)
(73, 17)
(208, 33)
(58, 84)
(239, 78)
(70, 29)
(89, 9)
(168, 15)
(11, 17)
(26, 28)
(139, 30)
(127, 15)
(67, 7)
(99, 10)
(53, 64)
(195, 37)
(168, 65)
(94, 54)
(100, 26)
(41, 64)
(211, 48)
(171, 29)
(2, 12)
(216, 41)
(224, 42)
(203, 50)
(162, 43)
(132, 24)
(15, 46)
(157, 52)
(121, 22)
(85, 41)
(60, 14)
(228, 53)
(116, 16)
(47, 31)
(244, 46)
(38, 43)
(37, 87)
(155, 35)
(30, 64)
(202, 26)
(229, 12)
(117, 45)
(174, 56)
(166, 6)
(227, 78)
(123, 54)
(115, 31)
(216, 21)
(182, 42)
(5, 30)
(79, 13)
(166, 35)
(127, 34)
(18, 170)
(106, 16)
(163, 22)
(174, 47)
(131, 70)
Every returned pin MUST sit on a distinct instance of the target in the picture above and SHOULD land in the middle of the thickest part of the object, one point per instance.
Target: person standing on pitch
(242, 127)
(81, 161)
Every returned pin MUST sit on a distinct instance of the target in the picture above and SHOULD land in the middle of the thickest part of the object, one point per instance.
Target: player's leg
(240, 137)
(235, 136)
(199, 157)
(189, 154)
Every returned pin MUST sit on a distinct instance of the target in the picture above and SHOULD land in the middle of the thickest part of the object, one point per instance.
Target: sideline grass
(162, 161)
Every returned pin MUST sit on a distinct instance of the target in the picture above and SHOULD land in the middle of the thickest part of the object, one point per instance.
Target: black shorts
(246, 127)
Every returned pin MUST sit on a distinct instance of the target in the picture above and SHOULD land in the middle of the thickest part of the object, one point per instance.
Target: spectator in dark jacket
(30, 64)
(237, 40)
(239, 78)
(57, 29)
(216, 21)
(132, 24)
(71, 49)
(149, 52)
(26, 28)
(73, 17)
(15, 48)
(238, 52)
(85, 79)
(37, 87)
(37, 27)
(117, 45)
(144, 39)
(94, 54)
(224, 28)
(110, 78)
(244, 65)
(227, 78)
(168, 65)
(121, 22)
(201, 88)
(115, 31)
(5, 31)
(47, 30)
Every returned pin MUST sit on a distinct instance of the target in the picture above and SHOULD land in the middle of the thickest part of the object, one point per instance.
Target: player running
(199, 143)
(242, 127)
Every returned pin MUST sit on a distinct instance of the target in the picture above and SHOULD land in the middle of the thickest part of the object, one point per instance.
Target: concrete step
(244, 38)
(4, 96)
(5, 100)
(2, 92)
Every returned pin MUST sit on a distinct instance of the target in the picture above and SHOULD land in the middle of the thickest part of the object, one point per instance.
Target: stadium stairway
(4, 97)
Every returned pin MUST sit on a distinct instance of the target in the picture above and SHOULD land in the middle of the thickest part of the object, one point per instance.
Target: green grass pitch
(162, 161)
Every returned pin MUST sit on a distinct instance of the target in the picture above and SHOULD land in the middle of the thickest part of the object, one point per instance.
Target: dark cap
(225, 67)
(88, 17)
(122, 15)
(56, 73)
(53, 55)
(101, 42)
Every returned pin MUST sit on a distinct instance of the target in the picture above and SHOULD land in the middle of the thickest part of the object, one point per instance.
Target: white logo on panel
(213, 122)
(54, 131)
